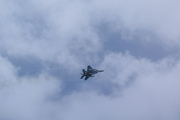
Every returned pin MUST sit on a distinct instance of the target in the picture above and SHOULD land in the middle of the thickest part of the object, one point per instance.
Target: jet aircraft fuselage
(90, 72)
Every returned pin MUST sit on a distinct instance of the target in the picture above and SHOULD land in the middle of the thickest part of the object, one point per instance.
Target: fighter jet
(90, 72)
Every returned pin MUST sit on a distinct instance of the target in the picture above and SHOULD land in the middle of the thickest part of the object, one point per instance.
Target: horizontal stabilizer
(82, 76)
(100, 70)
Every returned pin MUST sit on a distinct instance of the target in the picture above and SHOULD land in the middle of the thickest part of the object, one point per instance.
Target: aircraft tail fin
(83, 70)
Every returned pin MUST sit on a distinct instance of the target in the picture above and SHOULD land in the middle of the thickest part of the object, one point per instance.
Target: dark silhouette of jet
(90, 72)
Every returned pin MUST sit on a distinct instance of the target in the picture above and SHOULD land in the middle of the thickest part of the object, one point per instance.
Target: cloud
(158, 16)
(47, 36)
(55, 30)
(135, 42)
(7, 72)
(151, 94)
(26, 100)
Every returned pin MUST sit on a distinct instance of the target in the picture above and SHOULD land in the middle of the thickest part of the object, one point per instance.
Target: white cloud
(66, 33)
(153, 94)
(158, 16)
(7, 72)
(53, 28)
(26, 100)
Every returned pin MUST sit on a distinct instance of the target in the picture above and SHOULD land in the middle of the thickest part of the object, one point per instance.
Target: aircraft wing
(86, 77)
(89, 68)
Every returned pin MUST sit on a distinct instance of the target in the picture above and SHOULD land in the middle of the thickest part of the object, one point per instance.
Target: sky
(45, 44)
